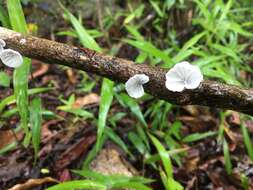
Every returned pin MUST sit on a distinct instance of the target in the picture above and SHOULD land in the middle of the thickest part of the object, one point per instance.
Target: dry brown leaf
(75, 151)
(91, 98)
(193, 110)
(71, 76)
(7, 137)
(11, 168)
(31, 183)
(110, 161)
(40, 71)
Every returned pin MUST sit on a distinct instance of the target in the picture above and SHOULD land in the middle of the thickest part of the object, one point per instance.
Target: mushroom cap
(134, 85)
(11, 58)
(183, 75)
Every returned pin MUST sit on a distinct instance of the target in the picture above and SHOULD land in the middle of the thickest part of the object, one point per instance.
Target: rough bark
(209, 93)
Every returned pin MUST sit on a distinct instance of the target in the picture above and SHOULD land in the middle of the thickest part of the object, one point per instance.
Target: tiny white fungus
(11, 58)
(183, 75)
(134, 85)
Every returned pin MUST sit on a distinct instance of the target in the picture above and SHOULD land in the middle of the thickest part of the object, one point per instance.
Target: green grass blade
(77, 184)
(203, 9)
(247, 141)
(3, 17)
(8, 147)
(104, 106)
(156, 157)
(16, 15)
(21, 94)
(20, 80)
(244, 181)
(93, 152)
(137, 142)
(11, 99)
(129, 102)
(131, 185)
(164, 156)
(173, 184)
(198, 136)
(99, 177)
(4, 79)
(107, 85)
(151, 50)
(226, 10)
(82, 33)
(228, 164)
(227, 51)
(116, 139)
(113, 179)
(193, 41)
(35, 120)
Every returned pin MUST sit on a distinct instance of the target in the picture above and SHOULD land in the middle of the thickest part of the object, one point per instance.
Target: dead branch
(209, 93)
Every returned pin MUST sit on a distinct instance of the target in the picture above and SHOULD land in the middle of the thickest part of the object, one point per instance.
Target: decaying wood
(209, 93)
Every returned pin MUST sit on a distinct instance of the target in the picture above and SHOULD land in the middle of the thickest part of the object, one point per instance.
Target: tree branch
(209, 93)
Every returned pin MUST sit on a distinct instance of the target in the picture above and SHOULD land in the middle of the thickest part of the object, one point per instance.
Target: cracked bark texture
(209, 93)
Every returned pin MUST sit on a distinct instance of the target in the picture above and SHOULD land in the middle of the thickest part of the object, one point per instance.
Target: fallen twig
(209, 93)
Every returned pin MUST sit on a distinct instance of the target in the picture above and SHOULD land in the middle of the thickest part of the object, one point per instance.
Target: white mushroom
(11, 58)
(183, 75)
(2, 44)
(134, 85)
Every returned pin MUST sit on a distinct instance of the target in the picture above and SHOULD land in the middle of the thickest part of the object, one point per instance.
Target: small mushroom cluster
(182, 76)
(10, 57)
